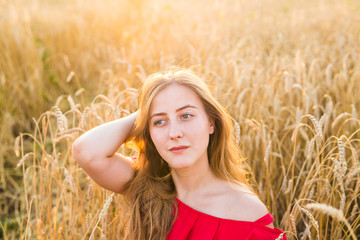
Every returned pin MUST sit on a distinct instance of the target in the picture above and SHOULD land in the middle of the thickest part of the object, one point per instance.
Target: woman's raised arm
(96, 153)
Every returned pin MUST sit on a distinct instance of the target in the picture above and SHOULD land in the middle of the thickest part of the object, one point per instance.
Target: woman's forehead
(174, 97)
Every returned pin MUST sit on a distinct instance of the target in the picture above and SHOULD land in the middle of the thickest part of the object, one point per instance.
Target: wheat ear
(335, 213)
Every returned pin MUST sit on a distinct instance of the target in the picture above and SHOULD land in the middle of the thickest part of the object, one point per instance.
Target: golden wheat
(287, 71)
(335, 213)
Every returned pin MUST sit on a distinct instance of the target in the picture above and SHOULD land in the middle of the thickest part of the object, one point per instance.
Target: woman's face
(179, 126)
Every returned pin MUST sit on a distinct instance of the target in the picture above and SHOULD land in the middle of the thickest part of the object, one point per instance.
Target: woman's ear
(212, 126)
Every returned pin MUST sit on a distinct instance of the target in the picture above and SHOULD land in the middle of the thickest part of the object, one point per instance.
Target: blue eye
(186, 116)
(158, 122)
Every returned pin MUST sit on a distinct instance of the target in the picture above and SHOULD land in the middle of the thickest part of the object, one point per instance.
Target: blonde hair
(151, 193)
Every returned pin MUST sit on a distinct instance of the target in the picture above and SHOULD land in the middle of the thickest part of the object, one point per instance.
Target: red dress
(194, 225)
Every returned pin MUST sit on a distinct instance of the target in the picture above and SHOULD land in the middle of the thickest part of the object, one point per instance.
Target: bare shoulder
(248, 205)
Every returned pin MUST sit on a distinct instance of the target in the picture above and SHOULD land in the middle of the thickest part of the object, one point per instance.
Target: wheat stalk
(22, 160)
(318, 126)
(351, 176)
(59, 118)
(17, 145)
(267, 154)
(313, 222)
(83, 117)
(293, 224)
(280, 236)
(70, 76)
(306, 232)
(72, 103)
(103, 212)
(335, 213)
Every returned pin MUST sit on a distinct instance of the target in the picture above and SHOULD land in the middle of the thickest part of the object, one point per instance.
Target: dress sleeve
(266, 220)
(263, 232)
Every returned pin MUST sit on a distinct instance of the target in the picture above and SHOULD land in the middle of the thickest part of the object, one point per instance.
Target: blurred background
(287, 71)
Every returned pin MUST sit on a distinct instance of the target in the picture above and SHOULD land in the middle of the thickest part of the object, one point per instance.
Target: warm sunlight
(286, 71)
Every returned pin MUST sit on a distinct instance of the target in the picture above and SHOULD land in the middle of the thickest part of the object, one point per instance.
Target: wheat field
(287, 71)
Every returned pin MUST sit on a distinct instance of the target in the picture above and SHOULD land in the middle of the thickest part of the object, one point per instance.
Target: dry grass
(288, 72)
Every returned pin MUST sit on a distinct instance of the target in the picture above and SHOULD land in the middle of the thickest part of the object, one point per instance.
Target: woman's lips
(179, 149)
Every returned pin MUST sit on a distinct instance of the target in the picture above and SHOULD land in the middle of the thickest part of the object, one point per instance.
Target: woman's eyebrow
(177, 110)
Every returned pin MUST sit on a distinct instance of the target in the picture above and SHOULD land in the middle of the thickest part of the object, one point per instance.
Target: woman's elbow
(78, 153)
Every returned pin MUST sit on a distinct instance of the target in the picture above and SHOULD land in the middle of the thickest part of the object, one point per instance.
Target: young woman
(189, 181)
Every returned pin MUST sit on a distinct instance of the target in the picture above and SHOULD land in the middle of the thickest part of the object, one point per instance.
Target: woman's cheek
(157, 136)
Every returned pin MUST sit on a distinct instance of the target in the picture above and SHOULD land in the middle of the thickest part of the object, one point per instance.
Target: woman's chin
(180, 165)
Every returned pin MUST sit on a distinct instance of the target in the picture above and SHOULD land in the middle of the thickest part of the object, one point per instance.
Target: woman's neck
(193, 181)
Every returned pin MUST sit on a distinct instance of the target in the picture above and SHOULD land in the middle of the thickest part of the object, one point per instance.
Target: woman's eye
(158, 122)
(186, 116)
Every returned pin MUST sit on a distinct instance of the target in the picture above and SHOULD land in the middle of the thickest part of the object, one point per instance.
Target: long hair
(150, 194)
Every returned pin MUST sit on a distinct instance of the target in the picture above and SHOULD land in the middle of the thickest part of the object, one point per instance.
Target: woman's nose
(175, 131)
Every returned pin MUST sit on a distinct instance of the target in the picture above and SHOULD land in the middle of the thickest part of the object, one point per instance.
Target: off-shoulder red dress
(191, 224)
